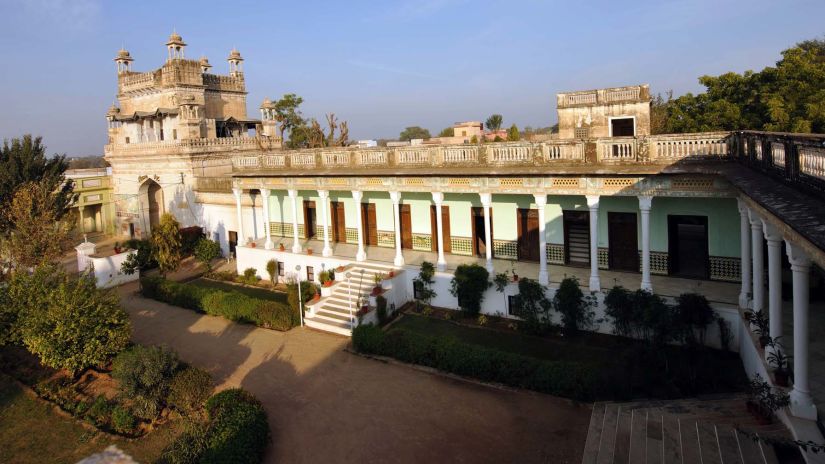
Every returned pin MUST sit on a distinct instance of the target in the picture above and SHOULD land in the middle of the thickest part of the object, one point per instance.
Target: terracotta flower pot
(391, 274)
(309, 251)
(252, 244)
(515, 277)
(281, 247)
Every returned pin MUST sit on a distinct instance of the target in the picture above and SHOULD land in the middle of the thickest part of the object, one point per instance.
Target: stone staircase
(332, 313)
(692, 431)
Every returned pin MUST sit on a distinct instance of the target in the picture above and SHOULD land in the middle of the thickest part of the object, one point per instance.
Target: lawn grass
(626, 368)
(32, 432)
(260, 293)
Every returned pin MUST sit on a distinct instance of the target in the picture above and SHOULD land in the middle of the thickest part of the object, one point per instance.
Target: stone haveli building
(95, 206)
(605, 196)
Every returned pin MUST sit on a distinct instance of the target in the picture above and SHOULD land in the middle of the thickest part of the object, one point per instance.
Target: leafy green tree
(24, 160)
(414, 132)
(423, 284)
(146, 372)
(474, 139)
(789, 97)
(76, 325)
(575, 309)
(494, 122)
(468, 285)
(287, 113)
(447, 132)
(22, 291)
(38, 232)
(166, 244)
(513, 134)
(206, 251)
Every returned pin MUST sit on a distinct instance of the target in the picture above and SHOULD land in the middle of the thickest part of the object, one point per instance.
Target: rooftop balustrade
(797, 159)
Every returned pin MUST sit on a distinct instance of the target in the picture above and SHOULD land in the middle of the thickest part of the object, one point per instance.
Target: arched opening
(151, 199)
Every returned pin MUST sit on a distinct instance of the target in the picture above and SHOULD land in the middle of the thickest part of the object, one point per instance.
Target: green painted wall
(461, 205)
(723, 222)
(419, 210)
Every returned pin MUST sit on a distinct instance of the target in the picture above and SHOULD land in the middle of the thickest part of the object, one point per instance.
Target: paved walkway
(327, 405)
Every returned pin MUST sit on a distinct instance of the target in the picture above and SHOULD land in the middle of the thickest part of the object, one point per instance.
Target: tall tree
(166, 244)
(38, 229)
(789, 97)
(287, 113)
(494, 122)
(447, 132)
(414, 132)
(24, 160)
(513, 134)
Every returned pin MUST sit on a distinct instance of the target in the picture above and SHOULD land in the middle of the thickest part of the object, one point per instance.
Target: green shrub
(190, 388)
(695, 314)
(206, 251)
(249, 277)
(145, 408)
(146, 371)
(238, 430)
(381, 309)
(189, 238)
(232, 305)
(308, 290)
(122, 420)
(187, 447)
(468, 285)
(143, 256)
(448, 354)
(620, 309)
(272, 270)
(100, 411)
(576, 310)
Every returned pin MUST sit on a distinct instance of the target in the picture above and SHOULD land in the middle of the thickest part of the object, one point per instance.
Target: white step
(329, 326)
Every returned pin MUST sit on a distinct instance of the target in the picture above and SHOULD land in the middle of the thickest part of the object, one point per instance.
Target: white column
(486, 203)
(241, 238)
(296, 245)
(541, 202)
(593, 204)
(758, 291)
(265, 192)
(396, 207)
(324, 195)
(802, 404)
(362, 254)
(774, 239)
(645, 203)
(745, 252)
(438, 199)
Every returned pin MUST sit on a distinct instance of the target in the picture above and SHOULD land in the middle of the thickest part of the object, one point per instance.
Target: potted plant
(317, 296)
(764, 400)
(339, 269)
(391, 274)
(780, 363)
(309, 251)
(281, 247)
(761, 327)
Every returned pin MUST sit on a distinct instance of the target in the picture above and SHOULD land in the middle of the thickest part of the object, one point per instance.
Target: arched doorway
(151, 195)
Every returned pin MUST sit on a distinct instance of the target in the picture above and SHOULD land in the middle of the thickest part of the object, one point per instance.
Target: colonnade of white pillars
(753, 279)
(645, 203)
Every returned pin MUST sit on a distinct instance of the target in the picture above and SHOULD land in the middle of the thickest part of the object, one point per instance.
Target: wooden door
(479, 239)
(310, 219)
(445, 225)
(369, 224)
(339, 227)
(623, 248)
(406, 227)
(576, 238)
(233, 241)
(528, 234)
(688, 246)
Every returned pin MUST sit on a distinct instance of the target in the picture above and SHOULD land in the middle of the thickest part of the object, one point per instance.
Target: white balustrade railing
(461, 154)
(413, 156)
(778, 154)
(245, 162)
(581, 98)
(564, 152)
(510, 154)
(374, 158)
(336, 159)
(812, 162)
(758, 149)
(622, 95)
(273, 161)
(302, 159)
(675, 147)
(616, 149)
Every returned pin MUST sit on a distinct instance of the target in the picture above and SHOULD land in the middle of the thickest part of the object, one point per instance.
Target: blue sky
(381, 65)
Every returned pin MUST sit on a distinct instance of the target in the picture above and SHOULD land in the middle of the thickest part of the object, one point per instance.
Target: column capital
(237, 192)
(486, 199)
(645, 202)
(395, 196)
(799, 258)
(292, 193)
(438, 198)
(357, 195)
(540, 198)
(741, 205)
(323, 194)
(755, 219)
(592, 201)
(771, 232)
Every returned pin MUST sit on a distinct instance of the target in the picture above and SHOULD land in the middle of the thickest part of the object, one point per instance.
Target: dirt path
(327, 405)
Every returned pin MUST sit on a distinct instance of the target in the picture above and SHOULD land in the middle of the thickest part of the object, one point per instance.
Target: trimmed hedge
(232, 305)
(238, 430)
(561, 378)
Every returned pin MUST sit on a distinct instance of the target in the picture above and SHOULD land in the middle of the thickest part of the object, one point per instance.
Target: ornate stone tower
(235, 63)
(175, 47)
(124, 62)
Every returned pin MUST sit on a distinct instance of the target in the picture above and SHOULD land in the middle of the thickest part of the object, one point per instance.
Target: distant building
(613, 112)
(95, 205)
(366, 143)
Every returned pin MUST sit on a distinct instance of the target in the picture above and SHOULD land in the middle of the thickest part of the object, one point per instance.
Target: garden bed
(277, 293)
(622, 368)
